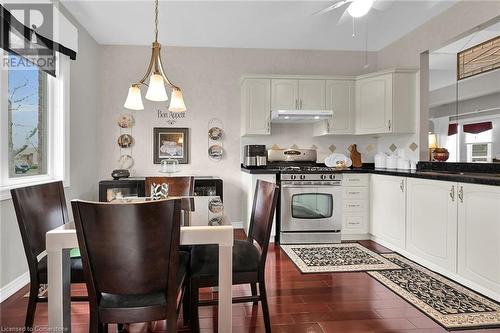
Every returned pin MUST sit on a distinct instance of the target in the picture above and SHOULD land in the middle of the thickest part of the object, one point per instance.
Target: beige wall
(83, 155)
(210, 80)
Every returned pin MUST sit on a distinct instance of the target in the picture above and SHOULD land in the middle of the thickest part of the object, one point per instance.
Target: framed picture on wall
(171, 142)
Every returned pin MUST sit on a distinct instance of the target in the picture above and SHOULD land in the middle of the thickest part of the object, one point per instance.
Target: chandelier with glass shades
(157, 79)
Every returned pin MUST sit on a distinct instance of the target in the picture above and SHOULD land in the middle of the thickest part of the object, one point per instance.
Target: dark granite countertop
(483, 178)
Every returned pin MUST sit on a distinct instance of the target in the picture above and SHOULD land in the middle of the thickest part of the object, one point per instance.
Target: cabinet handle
(297, 104)
(328, 126)
(452, 193)
(389, 124)
(402, 185)
(268, 125)
(300, 104)
(461, 194)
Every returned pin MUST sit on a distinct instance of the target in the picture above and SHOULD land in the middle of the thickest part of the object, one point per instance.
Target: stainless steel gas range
(310, 201)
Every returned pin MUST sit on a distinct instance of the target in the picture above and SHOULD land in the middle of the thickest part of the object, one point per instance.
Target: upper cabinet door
(312, 94)
(256, 107)
(340, 99)
(374, 105)
(284, 94)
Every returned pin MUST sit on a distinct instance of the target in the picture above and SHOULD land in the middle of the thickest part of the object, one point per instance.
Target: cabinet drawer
(355, 192)
(355, 179)
(355, 223)
(355, 205)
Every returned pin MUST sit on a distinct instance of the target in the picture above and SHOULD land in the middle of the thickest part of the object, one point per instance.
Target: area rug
(345, 257)
(448, 303)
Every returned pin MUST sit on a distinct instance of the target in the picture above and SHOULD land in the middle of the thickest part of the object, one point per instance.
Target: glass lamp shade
(156, 90)
(359, 8)
(134, 99)
(433, 141)
(177, 102)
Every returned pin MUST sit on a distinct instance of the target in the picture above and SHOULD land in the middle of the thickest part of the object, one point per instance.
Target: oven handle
(308, 186)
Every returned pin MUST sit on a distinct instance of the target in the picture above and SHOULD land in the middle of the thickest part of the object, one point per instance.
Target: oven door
(311, 208)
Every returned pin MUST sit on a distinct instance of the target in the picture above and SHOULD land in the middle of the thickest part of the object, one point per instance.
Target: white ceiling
(251, 24)
(443, 62)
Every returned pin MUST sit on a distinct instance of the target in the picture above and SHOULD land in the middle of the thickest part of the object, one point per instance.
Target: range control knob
(293, 177)
(332, 176)
(302, 176)
(323, 177)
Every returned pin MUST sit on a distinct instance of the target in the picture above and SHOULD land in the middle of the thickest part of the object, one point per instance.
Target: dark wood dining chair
(177, 186)
(249, 261)
(131, 261)
(41, 208)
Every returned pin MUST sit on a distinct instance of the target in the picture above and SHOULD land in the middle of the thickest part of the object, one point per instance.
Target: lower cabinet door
(387, 209)
(432, 221)
(479, 234)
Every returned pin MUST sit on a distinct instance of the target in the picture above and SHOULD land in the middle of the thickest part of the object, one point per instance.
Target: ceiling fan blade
(381, 4)
(332, 7)
(345, 18)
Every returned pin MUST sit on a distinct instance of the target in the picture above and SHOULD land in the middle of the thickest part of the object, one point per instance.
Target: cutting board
(355, 156)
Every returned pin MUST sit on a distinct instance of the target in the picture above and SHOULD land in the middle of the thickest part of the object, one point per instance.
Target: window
(34, 123)
(479, 146)
(27, 118)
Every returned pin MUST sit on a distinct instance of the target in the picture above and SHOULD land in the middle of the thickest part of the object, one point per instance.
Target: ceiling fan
(356, 8)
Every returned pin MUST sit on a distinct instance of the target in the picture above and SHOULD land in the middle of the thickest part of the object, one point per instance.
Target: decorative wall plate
(126, 141)
(126, 120)
(215, 152)
(126, 161)
(215, 133)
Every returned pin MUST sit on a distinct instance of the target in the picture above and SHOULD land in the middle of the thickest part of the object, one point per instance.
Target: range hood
(300, 116)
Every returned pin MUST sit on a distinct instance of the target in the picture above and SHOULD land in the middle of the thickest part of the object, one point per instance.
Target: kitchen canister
(380, 161)
(392, 162)
(403, 164)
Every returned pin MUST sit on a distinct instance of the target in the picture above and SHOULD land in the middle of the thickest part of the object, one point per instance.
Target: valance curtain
(35, 44)
(452, 129)
(478, 127)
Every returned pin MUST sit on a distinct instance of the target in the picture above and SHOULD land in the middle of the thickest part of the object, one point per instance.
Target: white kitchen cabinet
(355, 215)
(386, 102)
(284, 94)
(479, 234)
(312, 94)
(249, 182)
(388, 210)
(255, 106)
(339, 99)
(432, 221)
(297, 94)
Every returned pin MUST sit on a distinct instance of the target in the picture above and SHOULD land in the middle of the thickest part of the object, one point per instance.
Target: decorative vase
(440, 154)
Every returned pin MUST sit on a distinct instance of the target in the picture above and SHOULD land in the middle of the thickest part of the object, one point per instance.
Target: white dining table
(61, 240)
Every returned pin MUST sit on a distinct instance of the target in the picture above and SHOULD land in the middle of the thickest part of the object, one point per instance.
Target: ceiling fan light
(134, 99)
(359, 8)
(156, 90)
(177, 102)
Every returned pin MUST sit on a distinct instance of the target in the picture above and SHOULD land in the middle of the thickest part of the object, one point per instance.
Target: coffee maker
(254, 156)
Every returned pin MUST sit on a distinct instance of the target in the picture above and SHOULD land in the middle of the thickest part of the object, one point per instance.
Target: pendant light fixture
(157, 79)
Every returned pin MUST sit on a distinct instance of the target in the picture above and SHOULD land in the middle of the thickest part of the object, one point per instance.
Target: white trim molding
(14, 286)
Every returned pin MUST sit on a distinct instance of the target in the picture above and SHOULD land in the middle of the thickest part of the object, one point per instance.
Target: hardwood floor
(327, 302)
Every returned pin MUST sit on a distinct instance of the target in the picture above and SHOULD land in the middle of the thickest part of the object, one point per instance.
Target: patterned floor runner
(448, 303)
(345, 257)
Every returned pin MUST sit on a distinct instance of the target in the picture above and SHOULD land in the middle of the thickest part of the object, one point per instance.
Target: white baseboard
(14, 286)
(238, 225)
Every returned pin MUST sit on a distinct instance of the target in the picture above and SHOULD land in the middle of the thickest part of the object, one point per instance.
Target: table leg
(225, 288)
(59, 270)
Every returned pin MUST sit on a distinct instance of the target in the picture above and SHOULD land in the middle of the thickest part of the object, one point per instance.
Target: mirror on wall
(464, 113)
